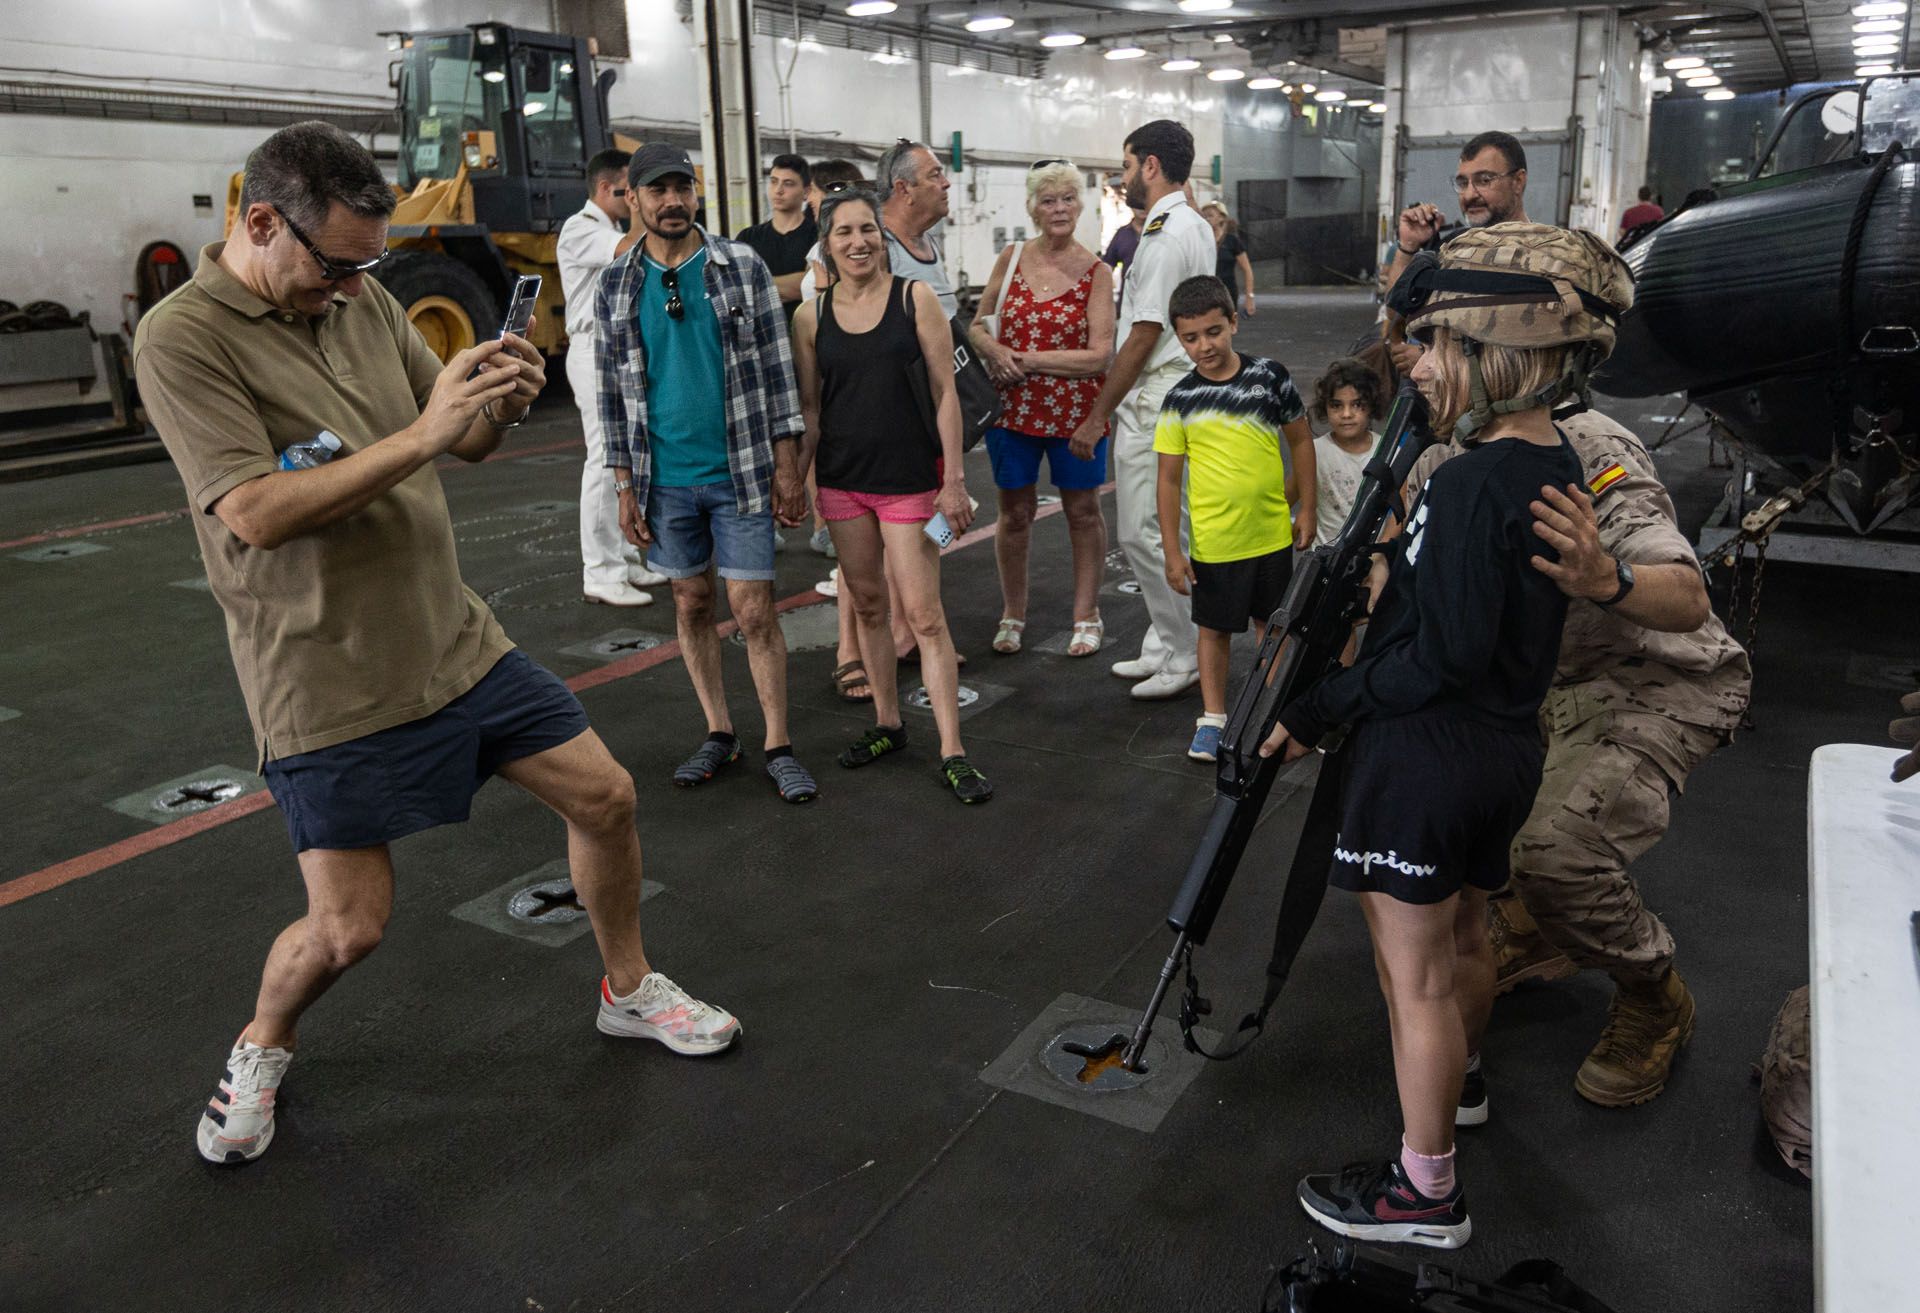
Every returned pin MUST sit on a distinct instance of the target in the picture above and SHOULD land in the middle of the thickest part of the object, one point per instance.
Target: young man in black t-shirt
(782, 242)
(1444, 757)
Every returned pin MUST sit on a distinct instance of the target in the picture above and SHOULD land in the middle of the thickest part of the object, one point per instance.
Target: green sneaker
(874, 744)
(967, 783)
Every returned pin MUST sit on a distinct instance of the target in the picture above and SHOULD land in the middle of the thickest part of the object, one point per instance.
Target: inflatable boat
(1788, 306)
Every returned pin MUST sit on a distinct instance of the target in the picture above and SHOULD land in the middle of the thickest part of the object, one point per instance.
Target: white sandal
(1087, 637)
(1006, 639)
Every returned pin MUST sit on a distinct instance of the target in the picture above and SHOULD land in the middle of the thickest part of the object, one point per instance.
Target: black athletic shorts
(1430, 802)
(1225, 596)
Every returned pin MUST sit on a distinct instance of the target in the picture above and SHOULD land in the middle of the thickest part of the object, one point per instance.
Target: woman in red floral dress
(1048, 347)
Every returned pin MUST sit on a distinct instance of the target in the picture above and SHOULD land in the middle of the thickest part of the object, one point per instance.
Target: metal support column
(729, 127)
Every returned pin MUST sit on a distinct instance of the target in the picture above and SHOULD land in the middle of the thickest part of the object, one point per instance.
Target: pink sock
(1431, 1174)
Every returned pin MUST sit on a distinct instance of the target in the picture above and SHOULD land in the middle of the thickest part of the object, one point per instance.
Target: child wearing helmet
(1443, 758)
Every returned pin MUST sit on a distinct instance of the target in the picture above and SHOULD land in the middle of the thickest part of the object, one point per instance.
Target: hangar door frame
(1423, 169)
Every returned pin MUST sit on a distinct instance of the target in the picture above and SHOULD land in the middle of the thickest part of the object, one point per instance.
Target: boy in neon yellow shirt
(1226, 420)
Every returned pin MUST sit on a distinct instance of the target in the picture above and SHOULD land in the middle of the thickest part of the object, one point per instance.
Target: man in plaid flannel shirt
(701, 416)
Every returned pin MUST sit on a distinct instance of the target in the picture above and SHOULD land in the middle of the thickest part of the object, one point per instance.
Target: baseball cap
(653, 162)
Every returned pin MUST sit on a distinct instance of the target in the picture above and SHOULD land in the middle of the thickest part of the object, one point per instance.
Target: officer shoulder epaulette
(1154, 226)
(1606, 478)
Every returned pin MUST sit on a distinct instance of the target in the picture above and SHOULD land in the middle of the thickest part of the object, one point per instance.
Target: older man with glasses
(697, 396)
(383, 692)
(590, 241)
(1492, 186)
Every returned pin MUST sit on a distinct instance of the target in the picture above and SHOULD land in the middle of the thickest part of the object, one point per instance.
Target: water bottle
(318, 450)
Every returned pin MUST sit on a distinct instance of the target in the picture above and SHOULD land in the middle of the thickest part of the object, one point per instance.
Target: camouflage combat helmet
(1526, 285)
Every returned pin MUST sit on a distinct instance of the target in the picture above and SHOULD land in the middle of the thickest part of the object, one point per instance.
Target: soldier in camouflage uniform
(1648, 684)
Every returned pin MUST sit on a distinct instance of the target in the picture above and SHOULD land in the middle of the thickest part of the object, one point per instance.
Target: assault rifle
(1303, 644)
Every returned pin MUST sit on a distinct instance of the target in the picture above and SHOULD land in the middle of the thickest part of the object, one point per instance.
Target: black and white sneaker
(1473, 1100)
(1375, 1201)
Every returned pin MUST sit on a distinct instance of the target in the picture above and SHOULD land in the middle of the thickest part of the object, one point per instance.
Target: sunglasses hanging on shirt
(676, 308)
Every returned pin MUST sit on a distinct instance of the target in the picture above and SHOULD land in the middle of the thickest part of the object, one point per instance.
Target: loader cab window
(450, 85)
(549, 89)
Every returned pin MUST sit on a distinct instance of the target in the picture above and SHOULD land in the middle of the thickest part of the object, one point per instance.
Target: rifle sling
(1306, 881)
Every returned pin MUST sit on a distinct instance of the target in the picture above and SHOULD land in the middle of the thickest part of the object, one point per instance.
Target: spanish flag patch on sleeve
(1607, 478)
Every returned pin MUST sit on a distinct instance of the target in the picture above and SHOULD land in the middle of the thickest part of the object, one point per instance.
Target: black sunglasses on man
(334, 271)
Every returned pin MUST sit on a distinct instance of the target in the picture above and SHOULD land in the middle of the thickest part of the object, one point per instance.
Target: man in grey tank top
(913, 189)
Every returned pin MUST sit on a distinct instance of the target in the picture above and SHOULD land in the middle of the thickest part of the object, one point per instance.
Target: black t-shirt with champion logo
(1465, 623)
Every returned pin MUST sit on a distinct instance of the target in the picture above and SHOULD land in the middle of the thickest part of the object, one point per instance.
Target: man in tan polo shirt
(382, 691)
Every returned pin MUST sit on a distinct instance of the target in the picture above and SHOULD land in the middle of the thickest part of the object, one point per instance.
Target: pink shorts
(888, 508)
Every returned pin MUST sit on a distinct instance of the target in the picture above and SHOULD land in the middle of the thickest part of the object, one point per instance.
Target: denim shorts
(1016, 461)
(380, 787)
(694, 528)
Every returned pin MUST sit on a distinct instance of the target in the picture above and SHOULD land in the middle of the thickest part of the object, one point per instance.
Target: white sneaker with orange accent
(237, 1126)
(660, 1009)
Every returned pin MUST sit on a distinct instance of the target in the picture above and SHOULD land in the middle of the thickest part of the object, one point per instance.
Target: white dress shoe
(641, 577)
(1138, 668)
(615, 594)
(1166, 683)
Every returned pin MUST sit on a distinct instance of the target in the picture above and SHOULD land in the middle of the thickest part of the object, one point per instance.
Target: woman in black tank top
(860, 350)
(873, 437)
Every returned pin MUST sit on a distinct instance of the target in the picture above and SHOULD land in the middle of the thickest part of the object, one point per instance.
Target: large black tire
(443, 298)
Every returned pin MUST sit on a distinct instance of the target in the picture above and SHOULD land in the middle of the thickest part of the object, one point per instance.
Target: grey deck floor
(455, 1135)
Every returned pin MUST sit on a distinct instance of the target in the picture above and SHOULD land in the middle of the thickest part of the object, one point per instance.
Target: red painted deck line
(154, 517)
(100, 859)
(113, 854)
(53, 535)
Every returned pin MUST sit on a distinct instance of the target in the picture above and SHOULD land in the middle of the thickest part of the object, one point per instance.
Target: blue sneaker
(1206, 738)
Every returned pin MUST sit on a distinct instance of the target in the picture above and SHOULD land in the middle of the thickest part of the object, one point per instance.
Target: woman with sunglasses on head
(885, 466)
(1444, 756)
(1045, 330)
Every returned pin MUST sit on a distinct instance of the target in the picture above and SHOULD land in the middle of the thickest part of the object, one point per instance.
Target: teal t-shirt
(686, 379)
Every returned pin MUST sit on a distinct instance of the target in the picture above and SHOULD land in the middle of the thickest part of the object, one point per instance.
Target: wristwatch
(487, 410)
(623, 485)
(1624, 573)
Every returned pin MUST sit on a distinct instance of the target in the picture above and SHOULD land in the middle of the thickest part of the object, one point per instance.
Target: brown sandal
(847, 678)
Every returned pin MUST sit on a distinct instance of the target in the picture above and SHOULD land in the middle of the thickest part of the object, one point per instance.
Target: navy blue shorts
(1430, 803)
(375, 789)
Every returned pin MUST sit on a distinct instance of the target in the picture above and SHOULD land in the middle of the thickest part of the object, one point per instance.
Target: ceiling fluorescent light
(1683, 61)
(1263, 84)
(1127, 52)
(990, 23)
(1204, 6)
(1888, 9)
(1718, 93)
(871, 8)
(1878, 25)
(1873, 70)
(1331, 96)
(1225, 74)
(1180, 65)
(1061, 40)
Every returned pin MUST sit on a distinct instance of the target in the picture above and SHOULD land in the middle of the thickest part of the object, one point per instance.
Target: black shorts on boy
(1227, 595)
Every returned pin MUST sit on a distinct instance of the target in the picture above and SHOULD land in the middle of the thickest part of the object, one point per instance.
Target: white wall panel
(84, 195)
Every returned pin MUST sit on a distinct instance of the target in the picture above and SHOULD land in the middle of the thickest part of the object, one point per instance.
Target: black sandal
(849, 676)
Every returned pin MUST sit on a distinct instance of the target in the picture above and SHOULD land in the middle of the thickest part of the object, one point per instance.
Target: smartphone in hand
(526, 293)
(939, 530)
